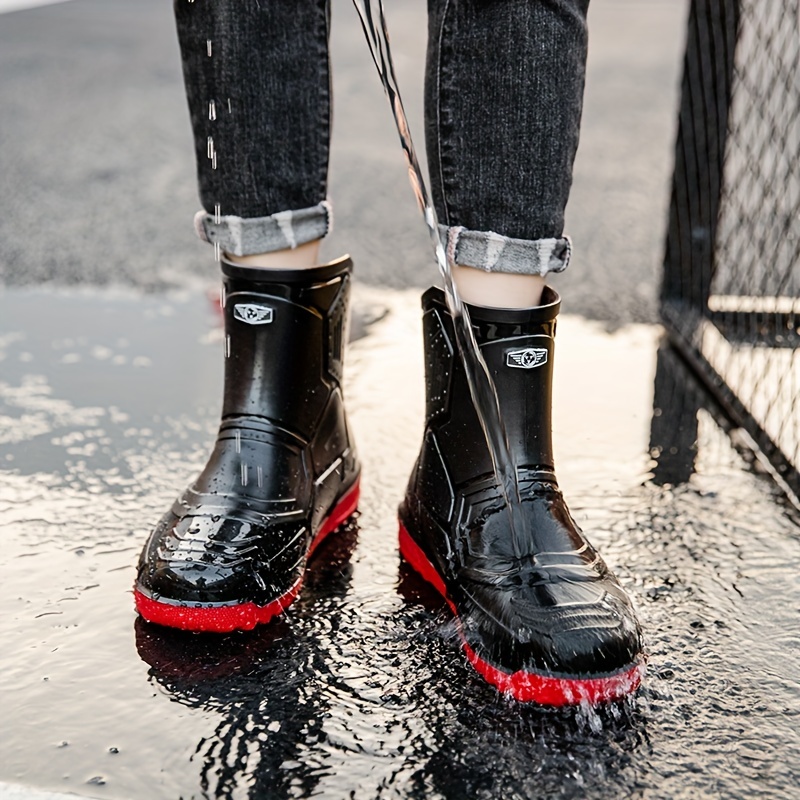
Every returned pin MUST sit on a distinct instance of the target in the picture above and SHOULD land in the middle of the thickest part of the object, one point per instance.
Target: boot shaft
(285, 332)
(517, 346)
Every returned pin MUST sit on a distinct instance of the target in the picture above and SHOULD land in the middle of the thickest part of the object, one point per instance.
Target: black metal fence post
(700, 151)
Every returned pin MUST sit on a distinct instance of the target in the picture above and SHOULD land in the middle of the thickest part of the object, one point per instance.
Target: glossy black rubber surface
(283, 457)
(551, 606)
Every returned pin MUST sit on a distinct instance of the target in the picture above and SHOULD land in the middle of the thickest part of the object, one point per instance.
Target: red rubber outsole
(527, 687)
(242, 616)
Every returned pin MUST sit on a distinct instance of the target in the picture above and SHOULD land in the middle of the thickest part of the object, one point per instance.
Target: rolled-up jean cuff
(492, 252)
(247, 236)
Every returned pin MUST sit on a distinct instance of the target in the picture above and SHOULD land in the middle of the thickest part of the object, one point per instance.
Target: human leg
(231, 552)
(541, 616)
(504, 95)
(257, 80)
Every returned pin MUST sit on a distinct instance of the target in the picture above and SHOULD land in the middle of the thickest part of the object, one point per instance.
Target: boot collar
(547, 312)
(313, 275)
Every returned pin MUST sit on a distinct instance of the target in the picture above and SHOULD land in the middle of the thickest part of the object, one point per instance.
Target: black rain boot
(232, 550)
(540, 615)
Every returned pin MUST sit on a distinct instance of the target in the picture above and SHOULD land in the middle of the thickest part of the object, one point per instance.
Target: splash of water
(481, 385)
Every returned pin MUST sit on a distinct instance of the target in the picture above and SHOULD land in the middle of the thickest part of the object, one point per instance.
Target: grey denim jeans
(503, 100)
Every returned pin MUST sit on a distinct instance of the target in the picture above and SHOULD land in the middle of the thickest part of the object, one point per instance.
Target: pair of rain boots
(540, 615)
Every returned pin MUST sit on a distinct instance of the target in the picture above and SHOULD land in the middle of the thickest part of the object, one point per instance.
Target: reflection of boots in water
(268, 686)
(187, 658)
(191, 658)
(540, 614)
(232, 550)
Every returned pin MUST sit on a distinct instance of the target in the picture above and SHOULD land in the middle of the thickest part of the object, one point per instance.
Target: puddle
(109, 408)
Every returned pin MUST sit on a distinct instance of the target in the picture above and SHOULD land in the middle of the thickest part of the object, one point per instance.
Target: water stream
(481, 385)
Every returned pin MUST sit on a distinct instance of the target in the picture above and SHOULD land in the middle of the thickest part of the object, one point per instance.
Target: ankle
(498, 289)
(305, 256)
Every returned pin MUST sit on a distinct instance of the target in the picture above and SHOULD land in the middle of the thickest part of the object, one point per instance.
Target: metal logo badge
(252, 313)
(528, 358)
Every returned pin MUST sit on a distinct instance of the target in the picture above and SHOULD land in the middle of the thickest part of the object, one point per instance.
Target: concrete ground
(98, 174)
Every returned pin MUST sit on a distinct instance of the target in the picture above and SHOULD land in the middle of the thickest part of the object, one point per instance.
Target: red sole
(243, 616)
(527, 687)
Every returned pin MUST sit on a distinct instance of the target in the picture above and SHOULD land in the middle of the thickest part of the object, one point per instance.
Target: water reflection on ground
(361, 691)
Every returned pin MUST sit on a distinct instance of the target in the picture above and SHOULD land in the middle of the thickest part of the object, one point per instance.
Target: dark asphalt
(98, 178)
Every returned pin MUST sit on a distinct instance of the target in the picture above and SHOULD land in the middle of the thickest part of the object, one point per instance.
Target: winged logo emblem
(528, 358)
(252, 313)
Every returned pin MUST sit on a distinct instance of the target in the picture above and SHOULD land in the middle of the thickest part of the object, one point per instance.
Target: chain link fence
(731, 291)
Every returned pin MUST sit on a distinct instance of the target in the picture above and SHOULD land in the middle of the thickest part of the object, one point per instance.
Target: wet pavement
(361, 691)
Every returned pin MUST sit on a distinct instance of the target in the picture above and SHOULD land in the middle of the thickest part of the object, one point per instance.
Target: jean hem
(247, 236)
(492, 252)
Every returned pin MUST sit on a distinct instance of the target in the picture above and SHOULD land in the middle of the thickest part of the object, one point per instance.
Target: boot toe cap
(592, 632)
(217, 560)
